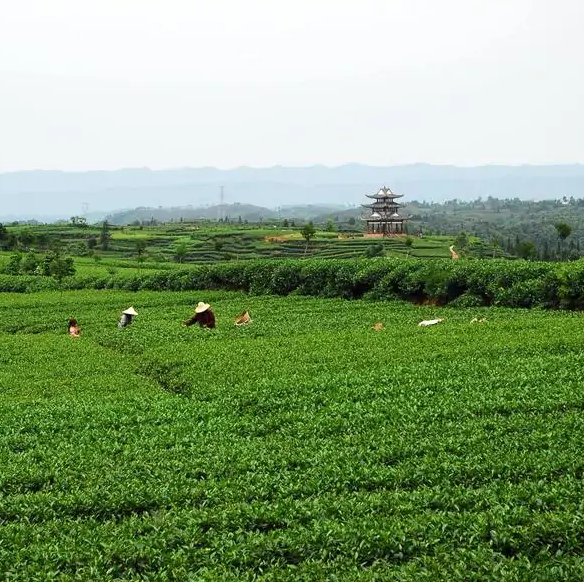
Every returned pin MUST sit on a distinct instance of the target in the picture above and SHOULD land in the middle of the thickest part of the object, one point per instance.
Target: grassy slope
(306, 446)
(235, 243)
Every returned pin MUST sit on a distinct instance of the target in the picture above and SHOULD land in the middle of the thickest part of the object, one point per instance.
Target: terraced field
(207, 248)
(208, 243)
(304, 447)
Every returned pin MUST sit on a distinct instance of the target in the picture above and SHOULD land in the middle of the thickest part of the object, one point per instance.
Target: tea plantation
(306, 446)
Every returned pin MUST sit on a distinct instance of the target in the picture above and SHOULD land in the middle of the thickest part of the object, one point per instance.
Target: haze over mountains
(50, 195)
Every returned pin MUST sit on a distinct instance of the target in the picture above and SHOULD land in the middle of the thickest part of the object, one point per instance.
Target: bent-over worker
(428, 322)
(127, 317)
(73, 328)
(204, 316)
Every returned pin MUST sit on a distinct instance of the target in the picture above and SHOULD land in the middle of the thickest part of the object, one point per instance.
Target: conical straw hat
(130, 311)
(201, 307)
(243, 318)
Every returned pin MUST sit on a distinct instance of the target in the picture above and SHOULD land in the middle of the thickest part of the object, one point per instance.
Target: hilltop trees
(140, 251)
(563, 230)
(53, 264)
(7, 240)
(79, 221)
(461, 241)
(308, 232)
(180, 252)
(104, 236)
(526, 250)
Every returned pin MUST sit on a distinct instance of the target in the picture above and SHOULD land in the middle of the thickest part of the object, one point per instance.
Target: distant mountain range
(49, 195)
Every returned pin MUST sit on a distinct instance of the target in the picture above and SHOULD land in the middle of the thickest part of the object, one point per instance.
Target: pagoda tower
(384, 219)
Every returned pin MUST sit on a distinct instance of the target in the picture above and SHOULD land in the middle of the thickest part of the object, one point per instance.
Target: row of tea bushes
(464, 283)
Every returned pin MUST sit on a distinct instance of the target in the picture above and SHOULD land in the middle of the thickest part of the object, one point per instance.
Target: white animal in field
(428, 322)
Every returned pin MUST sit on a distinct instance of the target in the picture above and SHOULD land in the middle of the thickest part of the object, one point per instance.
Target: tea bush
(306, 446)
(490, 282)
(493, 282)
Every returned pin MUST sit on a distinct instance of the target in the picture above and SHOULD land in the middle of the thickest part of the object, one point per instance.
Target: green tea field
(165, 246)
(305, 446)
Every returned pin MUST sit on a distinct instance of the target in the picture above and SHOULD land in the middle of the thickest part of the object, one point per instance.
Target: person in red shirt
(73, 328)
(204, 316)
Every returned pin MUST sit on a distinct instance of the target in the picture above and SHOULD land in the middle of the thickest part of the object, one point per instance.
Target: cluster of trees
(26, 238)
(563, 248)
(523, 228)
(52, 264)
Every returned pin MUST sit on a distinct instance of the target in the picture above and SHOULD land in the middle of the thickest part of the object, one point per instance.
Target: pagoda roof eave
(376, 205)
(388, 219)
(384, 196)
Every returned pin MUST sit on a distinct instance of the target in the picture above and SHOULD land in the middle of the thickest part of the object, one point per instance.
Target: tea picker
(204, 316)
(73, 328)
(127, 317)
(429, 322)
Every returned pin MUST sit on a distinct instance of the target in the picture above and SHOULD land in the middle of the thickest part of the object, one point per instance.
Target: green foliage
(564, 230)
(375, 250)
(79, 221)
(304, 447)
(461, 241)
(58, 267)
(241, 242)
(5, 239)
(308, 232)
(180, 252)
(52, 265)
(140, 247)
(105, 236)
(30, 263)
(14, 264)
(78, 249)
(526, 250)
(467, 300)
(495, 282)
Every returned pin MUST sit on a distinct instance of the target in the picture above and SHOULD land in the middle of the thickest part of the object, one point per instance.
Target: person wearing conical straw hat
(127, 316)
(204, 316)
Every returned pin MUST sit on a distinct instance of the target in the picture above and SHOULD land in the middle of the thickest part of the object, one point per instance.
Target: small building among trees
(384, 218)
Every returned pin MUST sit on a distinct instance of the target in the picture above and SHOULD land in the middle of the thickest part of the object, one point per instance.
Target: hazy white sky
(101, 84)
